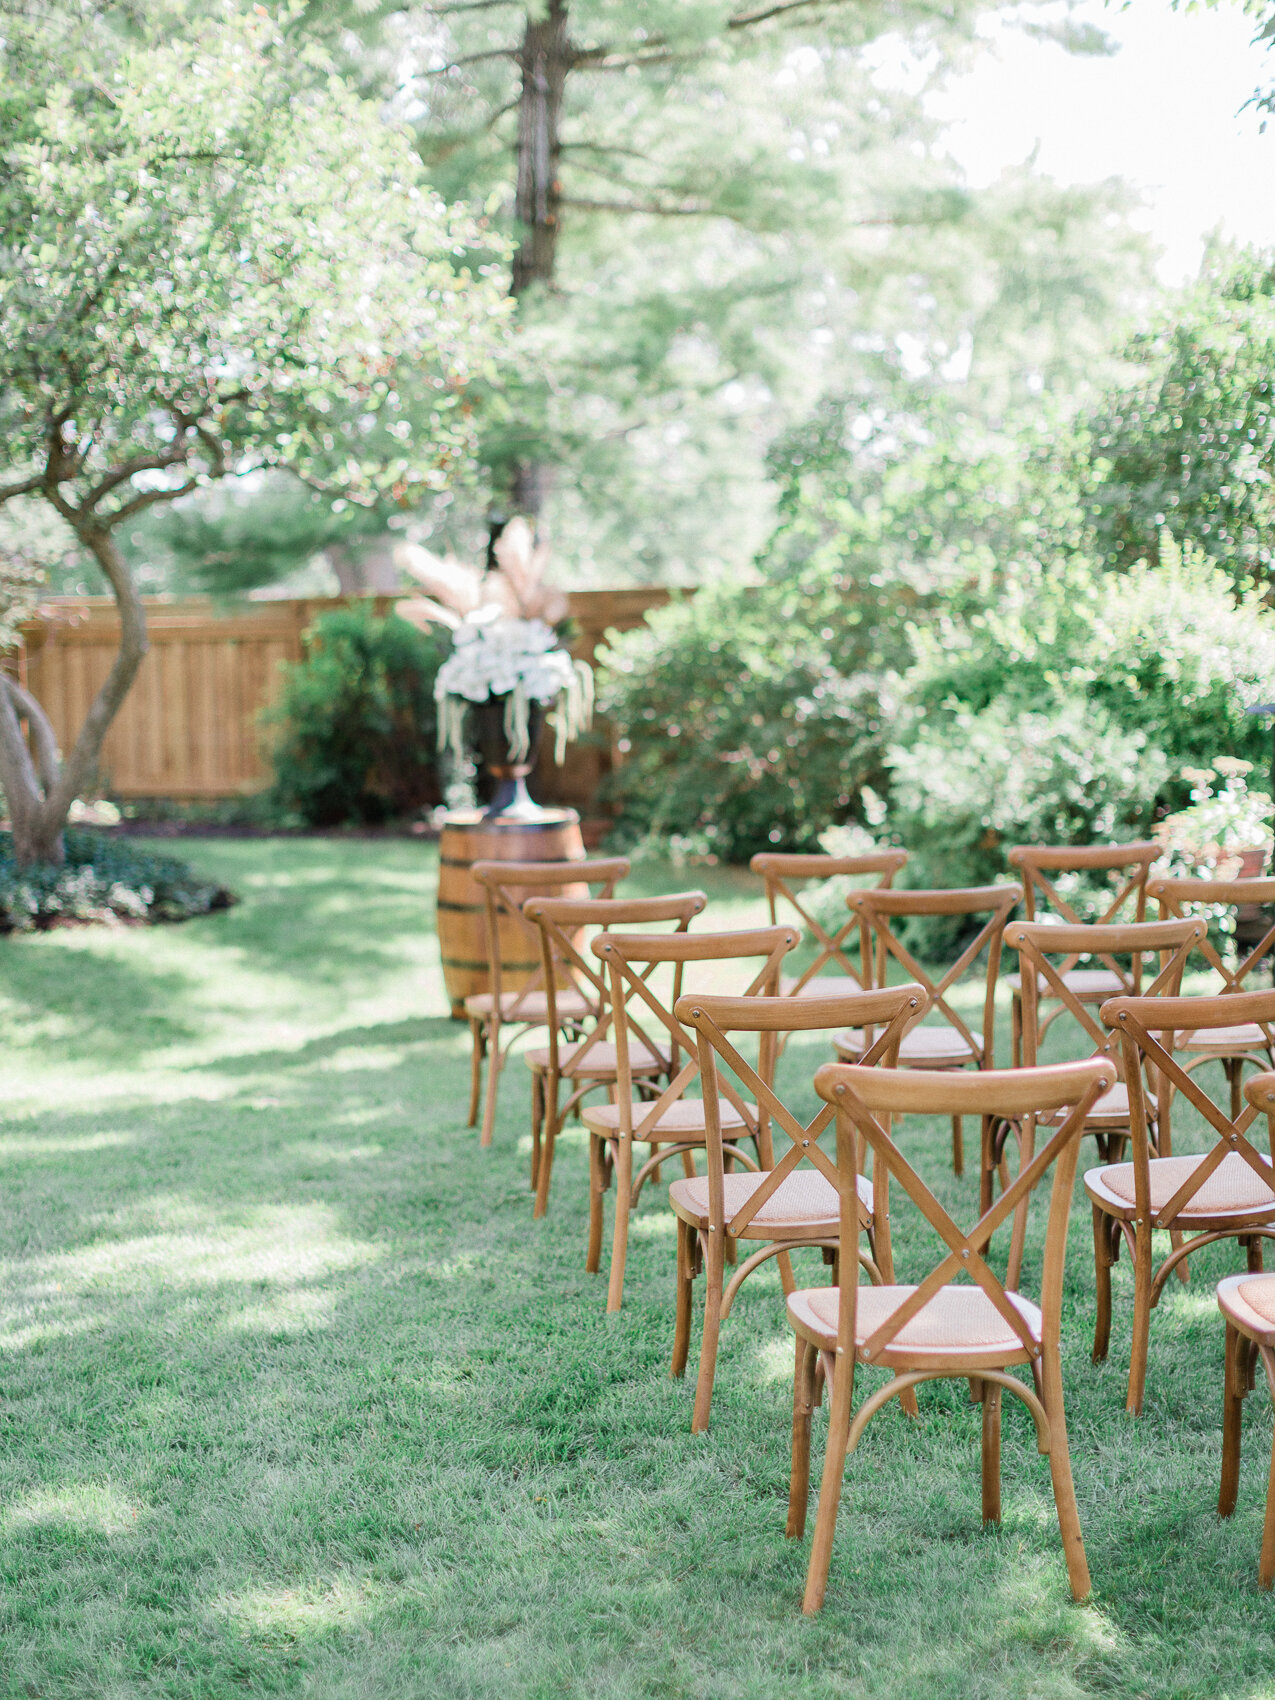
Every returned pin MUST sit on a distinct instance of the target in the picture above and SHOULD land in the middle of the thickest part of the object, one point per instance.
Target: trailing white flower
(493, 656)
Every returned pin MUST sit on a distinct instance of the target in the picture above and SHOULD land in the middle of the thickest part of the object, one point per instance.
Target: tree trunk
(40, 790)
(545, 59)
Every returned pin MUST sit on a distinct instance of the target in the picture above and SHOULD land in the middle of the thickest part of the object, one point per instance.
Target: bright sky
(1163, 112)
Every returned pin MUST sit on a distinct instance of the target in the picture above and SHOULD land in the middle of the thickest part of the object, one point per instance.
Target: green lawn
(298, 1400)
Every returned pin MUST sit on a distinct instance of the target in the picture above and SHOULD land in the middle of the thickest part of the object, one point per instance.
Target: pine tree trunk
(545, 60)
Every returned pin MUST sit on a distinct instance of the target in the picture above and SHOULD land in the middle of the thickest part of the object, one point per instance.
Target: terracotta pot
(1252, 861)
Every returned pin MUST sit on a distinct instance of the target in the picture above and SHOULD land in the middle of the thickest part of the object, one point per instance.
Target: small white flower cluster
(494, 656)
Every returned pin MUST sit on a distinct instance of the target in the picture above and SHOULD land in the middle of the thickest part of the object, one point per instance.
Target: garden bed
(104, 881)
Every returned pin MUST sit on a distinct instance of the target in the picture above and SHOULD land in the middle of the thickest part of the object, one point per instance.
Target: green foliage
(355, 729)
(103, 879)
(1190, 446)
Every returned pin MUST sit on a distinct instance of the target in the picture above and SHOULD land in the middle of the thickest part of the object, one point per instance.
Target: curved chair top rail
(1074, 857)
(695, 947)
(960, 900)
(1259, 1089)
(800, 1015)
(794, 866)
(1104, 937)
(615, 911)
(1177, 890)
(581, 871)
(1161, 1015)
(1005, 1092)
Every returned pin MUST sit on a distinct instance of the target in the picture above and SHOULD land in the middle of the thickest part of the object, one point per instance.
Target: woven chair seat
(1232, 1189)
(683, 1119)
(822, 986)
(1110, 1111)
(597, 1060)
(957, 1321)
(1223, 1041)
(804, 1204)
(1249, 1301)
(529, 1006)
(1089, 985)
(923, 1047)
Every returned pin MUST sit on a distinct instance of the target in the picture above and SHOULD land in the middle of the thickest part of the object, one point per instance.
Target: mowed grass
(298, 1400)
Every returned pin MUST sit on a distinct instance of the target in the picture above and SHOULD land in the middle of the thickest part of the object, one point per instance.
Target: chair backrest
(506, 887)
(880, 908)
(860, 1096)
(631, 960)
(560, 923)
(716, 1018)
(1037, 941)
(1146, 1029)
(1035, 863)
(779, 869)
(1177, 895)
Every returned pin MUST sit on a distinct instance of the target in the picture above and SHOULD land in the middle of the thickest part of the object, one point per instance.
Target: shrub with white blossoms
(519, 660)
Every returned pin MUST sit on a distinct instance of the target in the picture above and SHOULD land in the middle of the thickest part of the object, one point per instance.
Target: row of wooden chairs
(804, 1200)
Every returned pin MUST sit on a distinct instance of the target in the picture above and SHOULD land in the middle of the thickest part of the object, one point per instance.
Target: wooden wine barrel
(469, 837)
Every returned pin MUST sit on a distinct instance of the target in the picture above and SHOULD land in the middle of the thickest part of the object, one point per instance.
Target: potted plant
(1225, 832)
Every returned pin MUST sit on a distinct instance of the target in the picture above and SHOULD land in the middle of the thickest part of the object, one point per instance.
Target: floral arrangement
(1221, 820)
(504, 642)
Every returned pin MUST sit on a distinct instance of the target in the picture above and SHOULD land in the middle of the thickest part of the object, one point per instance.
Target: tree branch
(23, 487)
(126, 469)
(470, 59)
(743, 20)
(147, 499)
(690, 210)
(48, 758)
(17, 771)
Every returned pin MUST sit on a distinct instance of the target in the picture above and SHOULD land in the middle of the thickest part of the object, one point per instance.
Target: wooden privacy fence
(189, 727)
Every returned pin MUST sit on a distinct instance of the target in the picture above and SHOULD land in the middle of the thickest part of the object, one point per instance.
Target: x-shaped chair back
(1146, 1028)
(1035, 863)
(716, 1018)
(631, 960)
(560, 923)
(879, 908)
(1036, 942)
(507, 886)
(861, 1095)
(1173, 894)
(779, 869)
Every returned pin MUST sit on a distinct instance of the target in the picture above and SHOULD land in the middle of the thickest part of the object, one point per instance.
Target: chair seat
(806, 1205)
(683, 1119)
(1233, 1189)
(1249, 1302)
(957, 1322)
(1111, 1110)
(1223, 1041)
(923, 1047)
(529, 1006)
(1089, 985)
(597, 1061)
(822, 986)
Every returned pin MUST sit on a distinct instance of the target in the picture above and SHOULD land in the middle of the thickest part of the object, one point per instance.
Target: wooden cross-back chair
(590, 1061)
(1037, 943)
(789, 1204)
(779, 870)
(506, 886)
(1227, 1193)
(671, 1124)
(961, 1321)
(1130, 865)
(1248, 1304)
(953, 1043)
(1231, 1046)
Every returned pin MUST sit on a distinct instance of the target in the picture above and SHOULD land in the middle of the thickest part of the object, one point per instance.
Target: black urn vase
(510, 799)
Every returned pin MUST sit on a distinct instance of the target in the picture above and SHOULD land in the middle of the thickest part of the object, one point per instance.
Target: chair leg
(537, 1123)
(1233, 1390)
(1234, 1072)
(544, 1169)
(1141, 1318)
(986, 1163)
(991, 1453)
(1016, 1030)
(685, 1297)
(713, 1280)
(1253, 1253)
(1266, 1564)
(834, 1464)
(597, 1186)
(1103, 1246)
(478, 1049)
(803, 1403)
(620, 1233)
(1060, 1474)
(958, 1147)
(495, 1059)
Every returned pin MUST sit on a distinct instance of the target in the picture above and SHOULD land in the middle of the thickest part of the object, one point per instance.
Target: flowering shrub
(103, 879)
(1220, 820)
(521, 661)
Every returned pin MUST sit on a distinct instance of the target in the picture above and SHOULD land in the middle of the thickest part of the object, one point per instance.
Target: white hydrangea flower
(493, 656)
